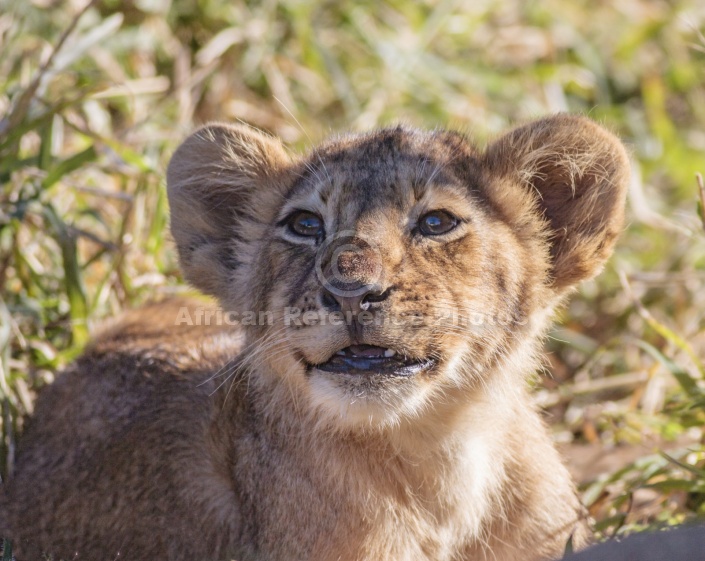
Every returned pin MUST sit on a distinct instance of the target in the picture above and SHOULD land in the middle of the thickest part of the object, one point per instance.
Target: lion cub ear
(574, 175)
(222, 183)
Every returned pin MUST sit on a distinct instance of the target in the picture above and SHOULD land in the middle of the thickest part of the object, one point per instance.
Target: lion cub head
(393, 273)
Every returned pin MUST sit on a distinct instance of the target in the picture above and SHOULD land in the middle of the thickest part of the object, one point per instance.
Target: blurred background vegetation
(93, 99)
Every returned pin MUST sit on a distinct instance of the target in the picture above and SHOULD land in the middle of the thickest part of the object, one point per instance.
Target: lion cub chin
(363, 395)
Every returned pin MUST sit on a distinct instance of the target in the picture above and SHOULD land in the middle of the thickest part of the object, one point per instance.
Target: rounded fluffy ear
(572, 173)
(221, 182)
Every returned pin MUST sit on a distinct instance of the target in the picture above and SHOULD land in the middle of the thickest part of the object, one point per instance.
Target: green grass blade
(7, 550)
(72, 277)
(67, 166)
(685, 380)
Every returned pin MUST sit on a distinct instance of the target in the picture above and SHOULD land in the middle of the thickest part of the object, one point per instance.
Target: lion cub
(391, 292)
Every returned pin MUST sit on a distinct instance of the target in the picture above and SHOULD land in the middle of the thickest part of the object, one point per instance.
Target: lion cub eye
(437, 222)
(304, 223)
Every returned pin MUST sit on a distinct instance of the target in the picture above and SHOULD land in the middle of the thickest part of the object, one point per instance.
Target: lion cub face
(398, 268)
(396, 275)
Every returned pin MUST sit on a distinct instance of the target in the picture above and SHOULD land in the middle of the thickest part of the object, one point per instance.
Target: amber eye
(437, 222)
(304, 223)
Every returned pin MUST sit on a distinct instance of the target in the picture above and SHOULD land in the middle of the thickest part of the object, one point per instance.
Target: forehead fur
(393, 156)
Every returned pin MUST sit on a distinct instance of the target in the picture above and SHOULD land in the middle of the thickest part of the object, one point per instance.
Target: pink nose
(354, 265)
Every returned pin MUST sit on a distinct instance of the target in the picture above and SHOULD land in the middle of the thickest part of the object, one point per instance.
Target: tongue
(368, 351)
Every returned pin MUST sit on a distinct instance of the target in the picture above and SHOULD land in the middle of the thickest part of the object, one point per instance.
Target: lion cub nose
(353, 301)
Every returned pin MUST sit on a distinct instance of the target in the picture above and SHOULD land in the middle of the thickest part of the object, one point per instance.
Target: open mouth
(369, 359)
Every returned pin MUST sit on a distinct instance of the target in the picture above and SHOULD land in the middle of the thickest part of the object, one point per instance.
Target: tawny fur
(166, 441)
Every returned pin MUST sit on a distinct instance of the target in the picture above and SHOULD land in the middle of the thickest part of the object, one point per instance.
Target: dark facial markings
(365, 177)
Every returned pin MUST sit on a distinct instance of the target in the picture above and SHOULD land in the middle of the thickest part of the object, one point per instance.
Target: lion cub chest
(320, 500)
